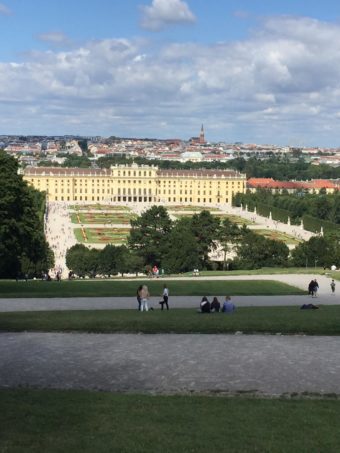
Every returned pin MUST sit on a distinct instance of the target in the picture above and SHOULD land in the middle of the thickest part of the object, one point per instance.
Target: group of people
(215, 305)
(313, 288)
(143, 296)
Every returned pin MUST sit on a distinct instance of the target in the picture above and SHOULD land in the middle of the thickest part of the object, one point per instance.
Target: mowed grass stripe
(84, 288)
(249, 320)
(65, 421)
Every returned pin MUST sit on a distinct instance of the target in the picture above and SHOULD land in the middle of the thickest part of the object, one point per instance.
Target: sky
(252, 71)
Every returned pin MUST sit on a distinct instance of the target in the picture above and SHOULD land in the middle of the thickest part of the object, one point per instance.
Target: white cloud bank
(281, 85)
(165, 12)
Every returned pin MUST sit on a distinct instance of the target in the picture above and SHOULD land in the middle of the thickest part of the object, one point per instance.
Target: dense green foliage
(255, 251)
(316, 211)
(321, 251)
(23, 248)
(148, 235)
(109, 261)
(71, 161)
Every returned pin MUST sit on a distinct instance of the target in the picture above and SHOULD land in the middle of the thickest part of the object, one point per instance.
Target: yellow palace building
(133, 183)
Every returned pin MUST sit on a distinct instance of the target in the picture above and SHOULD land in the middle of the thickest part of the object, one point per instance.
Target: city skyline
(250, 72)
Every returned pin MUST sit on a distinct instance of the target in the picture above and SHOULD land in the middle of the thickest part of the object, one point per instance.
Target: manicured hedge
(314, 224)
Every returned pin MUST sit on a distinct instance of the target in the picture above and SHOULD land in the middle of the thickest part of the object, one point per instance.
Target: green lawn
(102, 218)
(249, 320)
(102, 235)
(114, 288)
(278, 236)
(98, 207)
(236, 219)
(268, 271)
(53, 421)
(190, 208)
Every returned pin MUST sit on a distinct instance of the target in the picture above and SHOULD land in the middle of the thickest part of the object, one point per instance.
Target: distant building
(312, 186)
(199, 140)
(133, 183)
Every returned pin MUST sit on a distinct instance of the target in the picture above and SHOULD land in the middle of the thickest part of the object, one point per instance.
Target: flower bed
(102, 235)
(103, 218)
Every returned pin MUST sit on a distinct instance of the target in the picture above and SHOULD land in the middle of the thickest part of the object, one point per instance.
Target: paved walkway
(268, 365)
(104, 303)
(112, 303)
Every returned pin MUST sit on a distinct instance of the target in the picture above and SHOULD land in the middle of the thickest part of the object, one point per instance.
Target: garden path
(261, 364)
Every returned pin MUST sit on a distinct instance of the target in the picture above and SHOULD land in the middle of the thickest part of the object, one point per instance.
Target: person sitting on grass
(228, 306)
(309, 307)
(204, 305)
(215, 305)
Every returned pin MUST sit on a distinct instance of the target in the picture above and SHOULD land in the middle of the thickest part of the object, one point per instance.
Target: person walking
(165, 298)
(315, 288)
(139, 297)
(144, 294)
(333, 286)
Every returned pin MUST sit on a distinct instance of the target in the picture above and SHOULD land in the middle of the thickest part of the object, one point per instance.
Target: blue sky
(253, 71)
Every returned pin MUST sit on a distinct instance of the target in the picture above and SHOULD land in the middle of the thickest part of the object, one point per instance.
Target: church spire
(202, 138)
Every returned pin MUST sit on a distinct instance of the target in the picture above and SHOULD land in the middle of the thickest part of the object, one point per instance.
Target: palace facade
(133, 183)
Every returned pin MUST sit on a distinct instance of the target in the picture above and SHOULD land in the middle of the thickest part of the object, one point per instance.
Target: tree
(123, 263)
(92, 262)
(76, 259)
(107, 263)
(321, 251)
(228, 235)
(205, 229)
(135, 262)
(83, 145)
(182, 252)
(148, 234)
(255, 251)
(22, 238)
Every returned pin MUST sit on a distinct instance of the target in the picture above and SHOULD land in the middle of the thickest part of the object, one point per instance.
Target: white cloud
(54, 37)
(162, 13)
(5, 10)
(281, 82)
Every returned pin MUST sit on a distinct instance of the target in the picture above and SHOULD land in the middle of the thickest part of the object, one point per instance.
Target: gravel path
(268, 365)
(103, 303)
(111, 303)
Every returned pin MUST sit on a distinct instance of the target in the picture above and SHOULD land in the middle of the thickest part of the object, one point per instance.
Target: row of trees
(109, 261)
(322, 206)
(23, 248)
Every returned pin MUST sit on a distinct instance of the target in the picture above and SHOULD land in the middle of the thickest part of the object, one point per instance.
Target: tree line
(23, 247)
(322, 206)
(280, 168)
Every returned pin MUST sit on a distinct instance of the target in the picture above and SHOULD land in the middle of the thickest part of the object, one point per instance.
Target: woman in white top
(165, 298)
